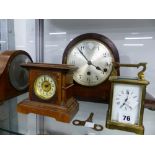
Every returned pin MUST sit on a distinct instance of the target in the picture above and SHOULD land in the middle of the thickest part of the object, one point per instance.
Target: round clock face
(44, 87)
(126, 103)
(94, 62)
(17, 74)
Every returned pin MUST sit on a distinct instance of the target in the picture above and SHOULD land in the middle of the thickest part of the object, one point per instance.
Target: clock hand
(124, 102)
(97, 67)
(122, 105)
(89, 62)
(83, 55)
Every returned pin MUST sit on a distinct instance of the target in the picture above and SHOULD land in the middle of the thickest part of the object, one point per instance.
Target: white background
(77, 144)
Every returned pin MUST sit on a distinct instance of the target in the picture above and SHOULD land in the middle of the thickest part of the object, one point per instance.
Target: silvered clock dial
(18, 75)
(94, 61)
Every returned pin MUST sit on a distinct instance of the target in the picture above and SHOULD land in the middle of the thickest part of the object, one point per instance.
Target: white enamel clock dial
(126, 103)
(44, 87)
(94, 62)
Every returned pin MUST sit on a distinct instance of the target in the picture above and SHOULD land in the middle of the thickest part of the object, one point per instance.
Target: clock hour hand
(124, 102)
(122, 105)
(97, 67)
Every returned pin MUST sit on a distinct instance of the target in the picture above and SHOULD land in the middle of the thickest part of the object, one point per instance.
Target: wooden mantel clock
(93, 54)
(13, 78)
(50, 91)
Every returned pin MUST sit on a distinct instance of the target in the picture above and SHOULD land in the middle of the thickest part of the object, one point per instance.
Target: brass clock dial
(44, 87)
(94, 61)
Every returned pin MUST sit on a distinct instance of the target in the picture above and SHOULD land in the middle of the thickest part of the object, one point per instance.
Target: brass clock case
(134, 89)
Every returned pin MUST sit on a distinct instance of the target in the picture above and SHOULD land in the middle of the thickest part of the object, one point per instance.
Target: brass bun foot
(60, 113)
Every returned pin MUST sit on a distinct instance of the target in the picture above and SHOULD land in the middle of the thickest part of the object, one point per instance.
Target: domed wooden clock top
(13, 78)
(50, 91)
(93, 54)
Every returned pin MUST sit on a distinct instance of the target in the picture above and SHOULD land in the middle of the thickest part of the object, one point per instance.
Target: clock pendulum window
(93, 54)
(126, 106)
(13, 78)
(50, 91)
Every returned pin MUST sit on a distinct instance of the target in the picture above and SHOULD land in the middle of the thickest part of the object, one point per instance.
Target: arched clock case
(13, 78)
(93, 54)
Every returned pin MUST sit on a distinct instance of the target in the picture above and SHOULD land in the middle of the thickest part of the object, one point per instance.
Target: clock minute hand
(124, 102)
(89, 62)
(83, 54)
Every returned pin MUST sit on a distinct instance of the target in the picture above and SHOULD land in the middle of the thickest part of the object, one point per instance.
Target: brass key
(96, 127)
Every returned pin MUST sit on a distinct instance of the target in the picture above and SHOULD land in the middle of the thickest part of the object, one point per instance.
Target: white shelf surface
(51, 126)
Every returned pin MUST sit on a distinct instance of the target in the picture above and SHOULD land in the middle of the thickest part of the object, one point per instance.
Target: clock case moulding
(7, 90)
(62, 106)
(101, 92)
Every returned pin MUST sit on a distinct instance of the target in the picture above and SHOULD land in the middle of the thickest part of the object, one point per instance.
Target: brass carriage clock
(93, 54)
(127, 101)
(50, 91)
(13, 78)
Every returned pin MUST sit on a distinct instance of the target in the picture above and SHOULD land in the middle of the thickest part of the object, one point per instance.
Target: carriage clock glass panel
(94, 62)
(18, 75)
(126, 103)
(44, 87)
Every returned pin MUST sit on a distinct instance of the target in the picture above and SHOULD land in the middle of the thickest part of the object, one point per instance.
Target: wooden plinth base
(60, 113)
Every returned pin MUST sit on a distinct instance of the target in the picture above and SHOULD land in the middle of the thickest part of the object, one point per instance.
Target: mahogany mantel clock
(13, 78)
(50, 91)
(93, 54)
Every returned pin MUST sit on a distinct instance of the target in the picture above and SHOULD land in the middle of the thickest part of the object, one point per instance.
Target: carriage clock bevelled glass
(126, 106)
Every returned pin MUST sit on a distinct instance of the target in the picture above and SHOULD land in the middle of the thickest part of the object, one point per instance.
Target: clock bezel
(101, 80)
(17, 53)
(35, 89)
(5, 60)
(54, 76)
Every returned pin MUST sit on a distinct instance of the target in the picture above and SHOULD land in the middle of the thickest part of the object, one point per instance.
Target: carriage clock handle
(140, 73)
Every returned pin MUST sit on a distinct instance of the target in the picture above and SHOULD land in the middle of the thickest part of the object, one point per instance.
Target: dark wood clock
(93, 54)
(13, 78)
(50, 91)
